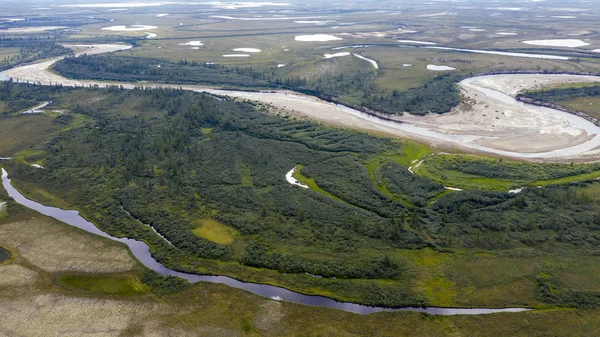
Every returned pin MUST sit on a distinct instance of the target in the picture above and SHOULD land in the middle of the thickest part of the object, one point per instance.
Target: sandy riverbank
(489, 123)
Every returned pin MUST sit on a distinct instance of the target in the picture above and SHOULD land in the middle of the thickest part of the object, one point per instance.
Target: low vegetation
(102, 285)
(116, 302)
(575, 97)
(377, 225)
(553, 291)
(360, 226)
(215, 231)
(348, 82)
(29, 52)
(562, 93)
(477, 172)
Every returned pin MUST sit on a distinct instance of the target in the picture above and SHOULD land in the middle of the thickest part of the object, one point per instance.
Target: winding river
(141, 251)
(313, 108)
(318, 109)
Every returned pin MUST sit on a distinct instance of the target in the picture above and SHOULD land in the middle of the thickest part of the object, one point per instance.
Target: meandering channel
(141, 251)
(327, 112)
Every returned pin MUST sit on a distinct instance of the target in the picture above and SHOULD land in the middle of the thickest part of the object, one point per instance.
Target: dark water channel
(141, 251)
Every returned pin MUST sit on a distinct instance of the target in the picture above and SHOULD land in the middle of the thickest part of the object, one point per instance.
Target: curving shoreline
(558, 107)
(463, 132)
(141, 252)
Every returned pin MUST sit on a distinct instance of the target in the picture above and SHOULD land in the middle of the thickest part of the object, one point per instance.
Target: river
(314, 108)
(141, 252)
(308, 105)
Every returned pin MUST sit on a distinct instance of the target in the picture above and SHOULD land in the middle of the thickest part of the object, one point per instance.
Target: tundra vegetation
(134, 302)
(437, 95)
(378, 224)
(28, 52)
(577, 97)
(184, 162)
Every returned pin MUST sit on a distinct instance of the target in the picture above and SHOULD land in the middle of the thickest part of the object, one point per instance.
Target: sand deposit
(504, 53)
(290, 179)
(485, 123)
(317, 38)
(330, 56)
(417, 42)
(569, 43)
(132, 28)
(439, 68)
(192, 43)
(248, 50)
(31, 29)
(373, 62)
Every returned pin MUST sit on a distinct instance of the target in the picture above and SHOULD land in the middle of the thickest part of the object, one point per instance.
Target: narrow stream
(141, 251)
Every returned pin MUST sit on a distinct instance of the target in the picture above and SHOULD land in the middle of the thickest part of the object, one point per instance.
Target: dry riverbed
(509, 127)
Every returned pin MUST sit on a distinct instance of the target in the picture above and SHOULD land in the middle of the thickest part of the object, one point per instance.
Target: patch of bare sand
(31, 29)
(504, 126)
(487, 124)
(512, 84)
(92, 49)
(536, 143)
(71, 250)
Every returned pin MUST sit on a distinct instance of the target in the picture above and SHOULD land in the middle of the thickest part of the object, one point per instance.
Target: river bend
(141, 251)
